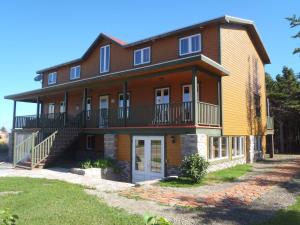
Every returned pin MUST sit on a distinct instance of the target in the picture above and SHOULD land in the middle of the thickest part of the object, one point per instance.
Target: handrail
(24, 149)
(42, 150)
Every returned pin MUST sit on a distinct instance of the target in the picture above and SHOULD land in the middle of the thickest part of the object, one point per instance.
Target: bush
(155, 220)
(6, 218)
(87, 164)
(194, 167)
(100, 163)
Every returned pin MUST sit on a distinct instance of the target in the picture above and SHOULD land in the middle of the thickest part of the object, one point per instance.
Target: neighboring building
(198, 89)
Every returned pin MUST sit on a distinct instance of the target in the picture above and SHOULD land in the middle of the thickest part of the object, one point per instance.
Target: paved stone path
(241, 193)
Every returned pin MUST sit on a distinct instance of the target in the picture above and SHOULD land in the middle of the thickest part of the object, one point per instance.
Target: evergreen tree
(294, 21)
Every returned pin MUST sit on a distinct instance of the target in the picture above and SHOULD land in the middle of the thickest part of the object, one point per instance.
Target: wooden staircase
(45, 152)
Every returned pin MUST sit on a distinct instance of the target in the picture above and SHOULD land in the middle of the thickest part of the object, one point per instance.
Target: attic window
(52, 78)
(75, 72)
(142, 56)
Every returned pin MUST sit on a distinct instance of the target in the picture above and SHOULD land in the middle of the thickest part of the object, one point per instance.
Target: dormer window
(52, 78)
(104, 58)
(142, 56)
(75, 72)
(190, 44)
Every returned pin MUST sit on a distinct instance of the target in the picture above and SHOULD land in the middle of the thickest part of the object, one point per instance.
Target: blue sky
(38, 34)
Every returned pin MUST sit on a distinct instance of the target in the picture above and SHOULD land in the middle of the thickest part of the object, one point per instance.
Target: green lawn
(53, 202)
(289, 216)
(226, 175)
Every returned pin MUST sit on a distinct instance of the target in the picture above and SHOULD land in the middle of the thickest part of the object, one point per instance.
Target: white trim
(104, 59)
(76, 76)
(189, 38)
(62, 104)
(51, 77)
(142, 56)
(220, 157)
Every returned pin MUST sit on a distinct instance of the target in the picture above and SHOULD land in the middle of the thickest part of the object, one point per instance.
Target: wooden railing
(270, 123)
(25, 121)
(208, 114)
(42, 150)
(23, 150)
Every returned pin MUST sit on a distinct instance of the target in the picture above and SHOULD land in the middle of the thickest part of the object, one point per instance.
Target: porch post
(37, 111)
(14, 115)
(125, 90)
(14, 135)
(194, 95)
(84, 106)
(66, 108)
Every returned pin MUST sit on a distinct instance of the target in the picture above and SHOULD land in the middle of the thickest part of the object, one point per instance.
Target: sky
(38, 34)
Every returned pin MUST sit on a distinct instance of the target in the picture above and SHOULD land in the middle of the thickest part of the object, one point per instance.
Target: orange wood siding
(123, 151)
(240, 57)
(174, 156)
(122, 58)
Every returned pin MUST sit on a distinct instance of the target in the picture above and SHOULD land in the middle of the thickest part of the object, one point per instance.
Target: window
(51, 110)
(218, 148)
(75, 72)
(52, 78)
(121, 101)
(257, 105)
(238, 146)
(104, 59)
(62, 107)
(90, 142)
(190, 44)
(142, 56)
(88, 107)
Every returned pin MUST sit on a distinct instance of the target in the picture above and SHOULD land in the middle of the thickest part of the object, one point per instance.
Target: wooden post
(194, 95)
(84, 101)
(14, 115)
(14, 135)
(125, 90)
(37, 112)
(66, 108)
(272, 146)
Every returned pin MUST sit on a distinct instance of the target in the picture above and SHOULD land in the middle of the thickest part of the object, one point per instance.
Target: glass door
(162, 100)
(103, 111)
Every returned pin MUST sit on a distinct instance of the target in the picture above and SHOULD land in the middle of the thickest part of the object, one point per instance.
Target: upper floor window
(190, 44)
(104, 58)
(75, 72)
(142, 56)
(52, 78)
(257, 105)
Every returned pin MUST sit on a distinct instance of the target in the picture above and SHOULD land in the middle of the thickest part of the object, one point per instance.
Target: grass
(289, 216)
(226, 175)
(53, 202)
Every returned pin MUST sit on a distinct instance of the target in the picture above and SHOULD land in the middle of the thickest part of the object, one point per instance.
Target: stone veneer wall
(223, 164)
(110, 145)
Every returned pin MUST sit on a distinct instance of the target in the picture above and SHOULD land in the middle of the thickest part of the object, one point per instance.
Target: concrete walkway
(6, 170)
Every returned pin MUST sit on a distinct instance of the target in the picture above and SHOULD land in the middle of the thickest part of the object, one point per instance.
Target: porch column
(272, 146)
(84, 106)
(220, 102)
(14, 115)
(14, 135)
(194, 95)
(125, 90)
(37, 111)
(66, 108)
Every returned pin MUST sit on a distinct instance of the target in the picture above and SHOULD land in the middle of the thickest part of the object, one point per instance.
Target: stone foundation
(223, 164)
(172, 170)
(194, 143)
(125, 172)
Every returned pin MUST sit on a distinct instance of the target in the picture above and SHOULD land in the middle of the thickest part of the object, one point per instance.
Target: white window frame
(104, 61)
(87, 142)
(220, 157)
(52, 114)
(142, 56)
(120, 114)
(51, 77)
(74, 76)
(190, 44)
(239, 146)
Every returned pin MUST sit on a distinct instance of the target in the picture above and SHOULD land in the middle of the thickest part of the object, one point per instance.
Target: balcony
(173, 114)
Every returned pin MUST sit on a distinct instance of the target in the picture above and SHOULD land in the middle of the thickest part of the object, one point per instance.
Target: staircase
(38, 152)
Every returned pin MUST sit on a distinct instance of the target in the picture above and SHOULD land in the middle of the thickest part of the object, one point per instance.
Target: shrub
(155, 220)
(86, 165)
(103, 163)
(194, 167)
(6, 218)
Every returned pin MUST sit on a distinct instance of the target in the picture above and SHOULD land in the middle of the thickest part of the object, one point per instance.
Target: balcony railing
(173, 114)
(270, 123)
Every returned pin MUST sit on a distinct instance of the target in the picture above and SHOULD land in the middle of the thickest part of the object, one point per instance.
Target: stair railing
(42, 150)
(23, 150)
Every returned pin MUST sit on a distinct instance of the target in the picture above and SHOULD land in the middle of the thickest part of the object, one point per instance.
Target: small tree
(194, 167)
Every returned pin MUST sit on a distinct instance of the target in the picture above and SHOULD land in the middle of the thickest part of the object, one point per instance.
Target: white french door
(148, 158)
(186, 102)
(162, 100)
(103, 110)
(51, 110)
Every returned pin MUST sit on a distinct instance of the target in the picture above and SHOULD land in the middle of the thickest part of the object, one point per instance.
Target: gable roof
(220, 20)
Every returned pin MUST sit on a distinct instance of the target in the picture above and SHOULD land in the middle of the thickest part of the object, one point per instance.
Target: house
(198, 89)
